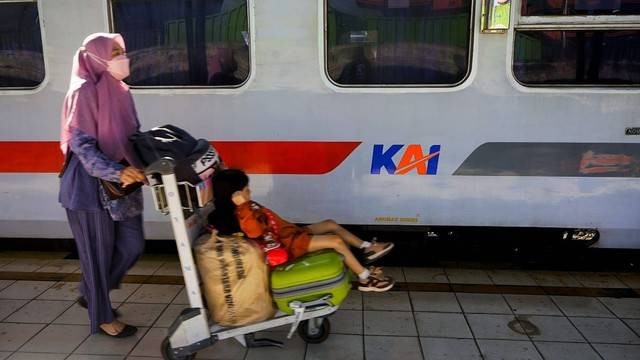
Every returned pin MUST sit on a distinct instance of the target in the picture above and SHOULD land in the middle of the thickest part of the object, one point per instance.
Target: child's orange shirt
(255, 223)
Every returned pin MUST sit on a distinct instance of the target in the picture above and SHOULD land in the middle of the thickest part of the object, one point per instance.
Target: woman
(98, 115)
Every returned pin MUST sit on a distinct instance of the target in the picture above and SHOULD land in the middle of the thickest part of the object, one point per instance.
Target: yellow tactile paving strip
(75, 277)
(41, 259)
(400, 286)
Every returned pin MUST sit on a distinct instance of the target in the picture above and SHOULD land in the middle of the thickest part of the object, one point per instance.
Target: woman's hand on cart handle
(130, 175)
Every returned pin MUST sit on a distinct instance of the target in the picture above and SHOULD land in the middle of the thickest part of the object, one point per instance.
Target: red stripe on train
(255, 157)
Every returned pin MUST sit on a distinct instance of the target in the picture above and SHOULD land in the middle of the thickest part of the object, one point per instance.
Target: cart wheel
(167, 354)
(317, 335)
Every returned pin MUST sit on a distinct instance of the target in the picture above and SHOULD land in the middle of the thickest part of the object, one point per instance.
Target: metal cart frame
(191, 331)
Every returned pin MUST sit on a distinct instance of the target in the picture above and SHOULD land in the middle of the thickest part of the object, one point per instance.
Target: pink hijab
(98, 104)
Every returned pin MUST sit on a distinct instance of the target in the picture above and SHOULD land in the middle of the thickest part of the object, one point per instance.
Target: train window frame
(29, 90)
(196, 89)
(565, 22)
(474, 33)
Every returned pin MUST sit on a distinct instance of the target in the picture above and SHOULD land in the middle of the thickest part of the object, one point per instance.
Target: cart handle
(163, 166)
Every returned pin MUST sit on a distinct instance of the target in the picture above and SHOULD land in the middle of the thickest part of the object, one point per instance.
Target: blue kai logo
(413, 158)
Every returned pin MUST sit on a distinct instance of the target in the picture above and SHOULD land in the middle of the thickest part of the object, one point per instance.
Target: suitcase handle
(300, 307)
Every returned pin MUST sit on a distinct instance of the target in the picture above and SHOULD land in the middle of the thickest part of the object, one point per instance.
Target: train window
(579, 43)
(21, 58)
(577, 57)
(579, 7)
(398, 42)
(178, 43)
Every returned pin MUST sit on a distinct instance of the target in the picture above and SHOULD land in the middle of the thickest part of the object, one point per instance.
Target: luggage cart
(187, 206)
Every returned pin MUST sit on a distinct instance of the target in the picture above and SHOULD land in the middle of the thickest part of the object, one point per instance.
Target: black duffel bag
(195, 159)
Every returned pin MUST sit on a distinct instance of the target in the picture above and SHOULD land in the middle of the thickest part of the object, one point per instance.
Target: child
(235, 212)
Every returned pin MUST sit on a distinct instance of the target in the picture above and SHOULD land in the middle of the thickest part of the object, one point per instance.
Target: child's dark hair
(225, 183)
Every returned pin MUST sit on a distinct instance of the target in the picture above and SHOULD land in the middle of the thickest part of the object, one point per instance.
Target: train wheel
(314, 334)
(167, 354)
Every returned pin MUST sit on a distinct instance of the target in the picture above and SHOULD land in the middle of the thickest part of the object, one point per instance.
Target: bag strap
(67, 160)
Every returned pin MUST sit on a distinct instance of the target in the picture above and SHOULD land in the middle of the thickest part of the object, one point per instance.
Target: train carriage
(410, 113)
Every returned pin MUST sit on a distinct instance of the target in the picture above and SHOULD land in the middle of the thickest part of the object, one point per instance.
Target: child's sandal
(375, 270)
(376, 284)
(371, 255)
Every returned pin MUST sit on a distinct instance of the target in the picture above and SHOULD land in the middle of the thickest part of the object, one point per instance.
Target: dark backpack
(195, 159)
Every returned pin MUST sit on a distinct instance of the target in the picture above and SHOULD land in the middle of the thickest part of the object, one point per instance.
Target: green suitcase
(310, 277)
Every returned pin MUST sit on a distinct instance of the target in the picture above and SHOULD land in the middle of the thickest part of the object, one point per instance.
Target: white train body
(289, 100)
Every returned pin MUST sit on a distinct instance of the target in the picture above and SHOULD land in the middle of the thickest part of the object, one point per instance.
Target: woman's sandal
(127, 330)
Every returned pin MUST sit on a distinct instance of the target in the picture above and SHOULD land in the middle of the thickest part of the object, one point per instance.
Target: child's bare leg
(330, 226)
(319, 242)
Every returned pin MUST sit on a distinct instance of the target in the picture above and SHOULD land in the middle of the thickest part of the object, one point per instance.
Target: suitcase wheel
(314, 331)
